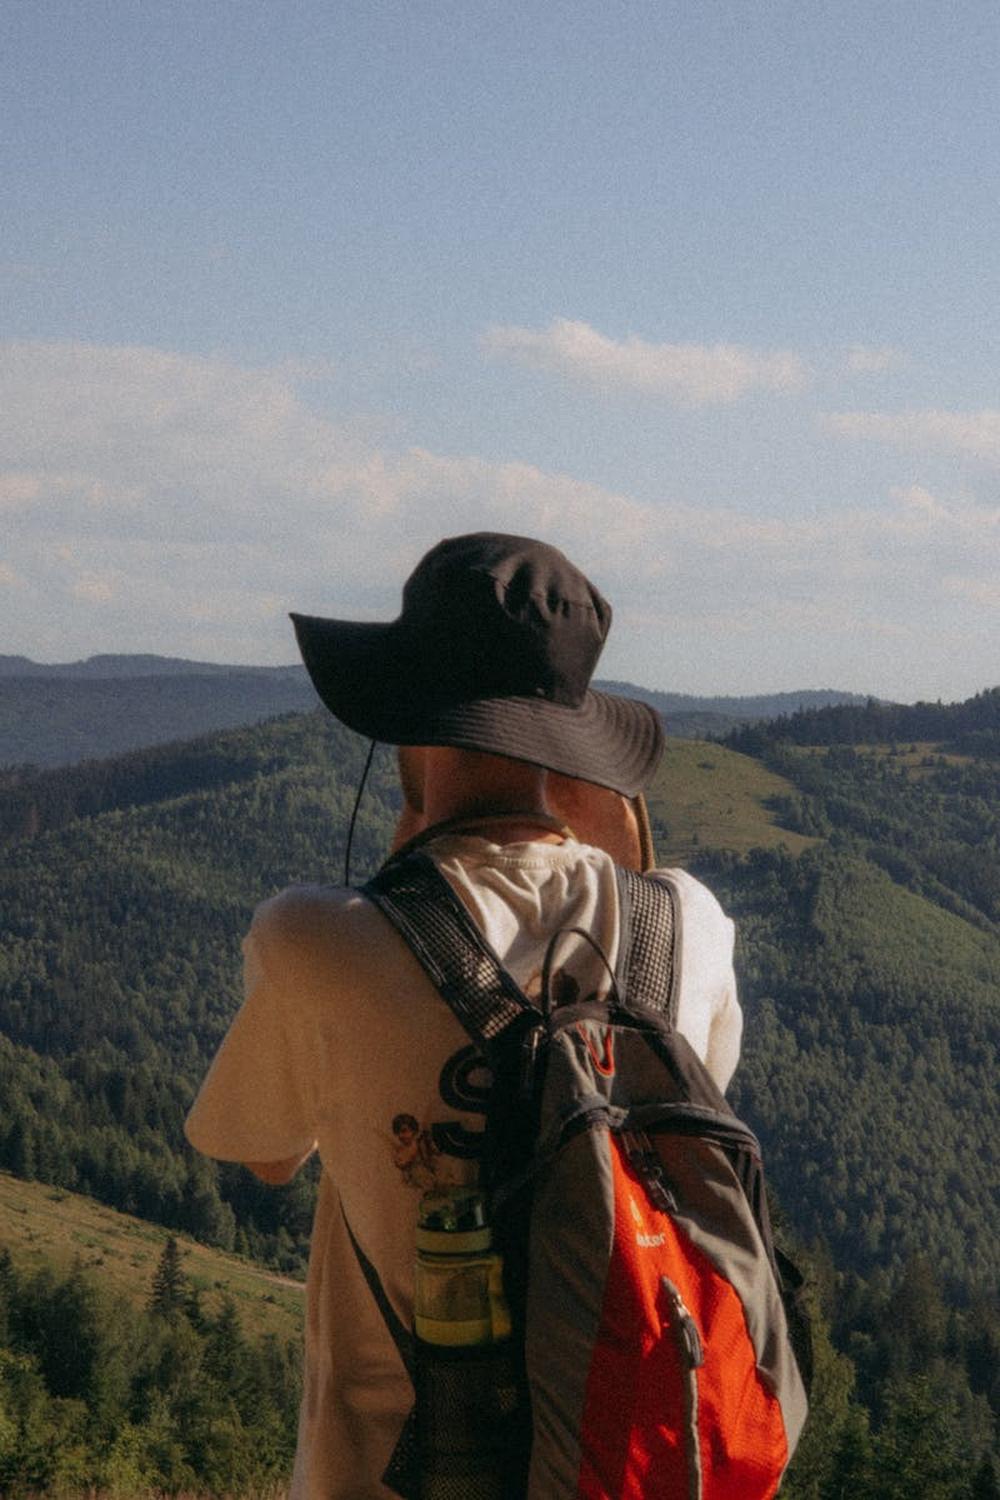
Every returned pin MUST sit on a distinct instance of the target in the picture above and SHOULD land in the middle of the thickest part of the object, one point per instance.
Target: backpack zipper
(687, 1341)
(641, 1156)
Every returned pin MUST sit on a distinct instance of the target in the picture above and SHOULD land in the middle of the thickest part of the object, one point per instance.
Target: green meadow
(46, 1226)
(708, 797)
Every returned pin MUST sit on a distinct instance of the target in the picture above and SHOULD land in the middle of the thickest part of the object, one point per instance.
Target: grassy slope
(912, 757)
(42, 1225)
(707, 797)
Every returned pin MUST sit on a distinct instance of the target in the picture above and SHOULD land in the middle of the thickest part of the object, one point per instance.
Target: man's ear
(412, 761)
(647, 849)
(412, 769)
(600, 817)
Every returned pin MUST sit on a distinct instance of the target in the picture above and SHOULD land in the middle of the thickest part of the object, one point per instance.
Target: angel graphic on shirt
(414, 1152)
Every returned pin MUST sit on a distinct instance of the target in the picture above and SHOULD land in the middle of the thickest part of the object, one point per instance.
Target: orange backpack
(659, 1350)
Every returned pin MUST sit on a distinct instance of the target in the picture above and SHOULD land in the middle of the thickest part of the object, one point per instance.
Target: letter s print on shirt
(464, 1084)
(466, 1080)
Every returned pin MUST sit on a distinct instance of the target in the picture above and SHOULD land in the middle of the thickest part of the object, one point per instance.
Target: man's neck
(510, 826)
(517, 828)
(465, 784)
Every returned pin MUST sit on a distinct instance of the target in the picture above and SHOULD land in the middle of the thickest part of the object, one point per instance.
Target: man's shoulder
(302, 918)
(304, 902)
(696, 900)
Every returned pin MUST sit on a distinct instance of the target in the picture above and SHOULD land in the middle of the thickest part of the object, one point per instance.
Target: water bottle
(466, 1388)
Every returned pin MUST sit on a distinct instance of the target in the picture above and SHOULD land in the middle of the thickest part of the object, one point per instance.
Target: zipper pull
(529, 1061)
(685, 1327)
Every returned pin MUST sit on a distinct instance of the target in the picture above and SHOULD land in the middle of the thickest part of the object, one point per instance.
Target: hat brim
(372, 680)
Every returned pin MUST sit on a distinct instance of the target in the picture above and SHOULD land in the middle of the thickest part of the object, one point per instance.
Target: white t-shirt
(342, 1041)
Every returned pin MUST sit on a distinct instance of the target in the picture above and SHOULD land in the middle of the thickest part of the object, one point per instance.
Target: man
(343, 1044)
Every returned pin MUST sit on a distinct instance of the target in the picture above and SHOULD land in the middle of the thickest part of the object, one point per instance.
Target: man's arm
(277, 1173)
(256, 1105)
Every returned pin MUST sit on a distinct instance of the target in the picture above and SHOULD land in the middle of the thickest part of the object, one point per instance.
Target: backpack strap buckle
(640, 1153)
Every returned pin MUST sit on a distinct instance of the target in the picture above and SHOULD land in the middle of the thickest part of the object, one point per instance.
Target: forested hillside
(98, 1396)
(865, 886)
(119, 968)
(972, 727)
(869, 950)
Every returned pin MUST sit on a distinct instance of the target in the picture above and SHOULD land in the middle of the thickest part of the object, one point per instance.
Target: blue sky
(706, 294)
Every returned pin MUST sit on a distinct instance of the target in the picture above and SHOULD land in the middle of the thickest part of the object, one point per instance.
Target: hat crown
(493, 651)
(502, 615)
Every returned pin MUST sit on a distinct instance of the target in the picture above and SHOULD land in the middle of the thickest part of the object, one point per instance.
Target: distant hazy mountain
(742, 710)
(57, 714)
(136, 666)
(50, 719)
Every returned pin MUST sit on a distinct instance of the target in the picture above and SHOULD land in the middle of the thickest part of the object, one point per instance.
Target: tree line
(99, 1397)
(972, 727)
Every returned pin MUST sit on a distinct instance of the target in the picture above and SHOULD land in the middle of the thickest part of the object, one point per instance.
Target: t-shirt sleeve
(255, 1103)
(726, 1029)
(710, 1014)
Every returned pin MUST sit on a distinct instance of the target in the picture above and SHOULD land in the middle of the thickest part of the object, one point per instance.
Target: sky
(706, 294)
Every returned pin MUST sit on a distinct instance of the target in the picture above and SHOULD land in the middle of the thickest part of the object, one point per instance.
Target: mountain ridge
(136, 664)
(64, 713)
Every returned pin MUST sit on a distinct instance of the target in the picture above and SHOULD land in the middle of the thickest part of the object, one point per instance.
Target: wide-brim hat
(493, 651)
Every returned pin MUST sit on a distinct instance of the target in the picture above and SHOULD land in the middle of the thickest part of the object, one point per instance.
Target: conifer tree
(919, 1448)
(225, 1353)
(8, 1295)
(169, 1282)
(984, 1485)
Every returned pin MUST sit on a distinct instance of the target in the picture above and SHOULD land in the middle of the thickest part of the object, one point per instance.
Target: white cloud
(920, 511)
(866, 359)
(982, 591)
(93, 590)
(172, 489)
(695, 374)
(971, 434)
(166, 503)
(19, 490)
(168, 434)
(918, 500)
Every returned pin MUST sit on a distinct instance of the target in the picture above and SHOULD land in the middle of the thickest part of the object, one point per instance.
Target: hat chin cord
(468, 822)
(354, 815)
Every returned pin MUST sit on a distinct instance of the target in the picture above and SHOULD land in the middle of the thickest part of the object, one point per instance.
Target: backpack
(661, 1353)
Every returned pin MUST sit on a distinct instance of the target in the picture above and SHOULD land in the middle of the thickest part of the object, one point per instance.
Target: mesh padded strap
(417, 899)
(647, 944)
(419, 902)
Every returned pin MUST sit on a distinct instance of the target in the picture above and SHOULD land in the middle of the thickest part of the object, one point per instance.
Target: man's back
(343, 1041)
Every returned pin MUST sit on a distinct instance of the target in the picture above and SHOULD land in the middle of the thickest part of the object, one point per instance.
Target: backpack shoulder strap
(647, 945)
(419, 902)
